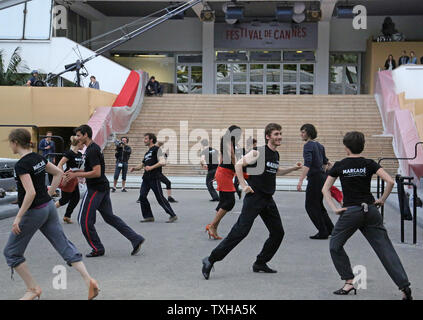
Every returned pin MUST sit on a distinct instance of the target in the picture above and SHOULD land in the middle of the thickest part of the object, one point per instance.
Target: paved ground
(169, 265)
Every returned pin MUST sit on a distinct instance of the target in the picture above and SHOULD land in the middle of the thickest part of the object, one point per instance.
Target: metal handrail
(380, 188)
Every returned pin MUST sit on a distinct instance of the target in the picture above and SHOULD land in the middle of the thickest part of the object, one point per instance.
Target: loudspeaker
(313, 15)
(284, 14)
(207, 15)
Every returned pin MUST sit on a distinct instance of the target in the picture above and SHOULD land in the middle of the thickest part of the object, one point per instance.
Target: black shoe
(137, 248)
(317, 236)
(124, 190)
(94, 254)
(113, 189)
(138, 201)
(263, 268)
(342, 292)
(207, 268)
(407, 294)
(170, 199)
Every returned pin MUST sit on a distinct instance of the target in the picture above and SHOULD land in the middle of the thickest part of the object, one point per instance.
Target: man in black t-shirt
(152, 163)
(264, 164)
(97, 197)
(360, 212)
(210, 161)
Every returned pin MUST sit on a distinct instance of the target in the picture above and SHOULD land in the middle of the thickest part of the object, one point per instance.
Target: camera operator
(122, 154)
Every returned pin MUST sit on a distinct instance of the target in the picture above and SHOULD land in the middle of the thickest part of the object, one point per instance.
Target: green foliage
(12, 74)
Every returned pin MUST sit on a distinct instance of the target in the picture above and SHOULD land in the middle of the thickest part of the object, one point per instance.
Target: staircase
(333, 116)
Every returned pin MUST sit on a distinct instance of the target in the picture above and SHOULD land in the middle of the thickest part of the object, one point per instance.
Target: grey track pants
(46, 220)
(371, 226)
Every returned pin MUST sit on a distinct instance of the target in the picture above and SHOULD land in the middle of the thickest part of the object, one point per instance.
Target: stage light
(234, 12)
(299, 7)
(298, 18)
(284, 14)
(207, 15)
(345, 12)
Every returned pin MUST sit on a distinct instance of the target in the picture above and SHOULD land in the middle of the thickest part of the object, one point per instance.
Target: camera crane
(79, 64)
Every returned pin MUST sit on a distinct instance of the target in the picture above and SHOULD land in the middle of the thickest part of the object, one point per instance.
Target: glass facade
(189, 74)
(262, 73)
(344, 73)
(27, 21)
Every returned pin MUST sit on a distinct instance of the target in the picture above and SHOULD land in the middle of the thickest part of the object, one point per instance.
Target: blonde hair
(74, 141)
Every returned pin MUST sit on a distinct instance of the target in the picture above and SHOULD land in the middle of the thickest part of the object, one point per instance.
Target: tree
(12, 74)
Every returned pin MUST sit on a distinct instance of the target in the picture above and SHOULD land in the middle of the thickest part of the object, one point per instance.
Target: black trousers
(254, 205)
(314, 205)
(371, 226)
(209, 183)
(100, 200)
(153, 184)
(72, 198)
(166, 181)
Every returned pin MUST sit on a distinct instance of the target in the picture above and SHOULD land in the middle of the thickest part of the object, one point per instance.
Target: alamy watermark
(60, 280)
(60, 17)
(360, 20)
(360, 279)
(176, 145)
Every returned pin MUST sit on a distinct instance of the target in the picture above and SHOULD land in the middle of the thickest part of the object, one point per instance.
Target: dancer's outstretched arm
(282, 172)
(250, 158)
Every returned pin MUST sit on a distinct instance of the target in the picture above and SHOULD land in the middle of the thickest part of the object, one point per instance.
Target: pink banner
(400, 123)
(117, 119)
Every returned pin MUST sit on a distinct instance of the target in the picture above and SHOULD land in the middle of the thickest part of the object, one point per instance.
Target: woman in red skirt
(224, 177)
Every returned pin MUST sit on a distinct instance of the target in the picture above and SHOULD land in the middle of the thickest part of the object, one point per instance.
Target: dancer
(314, 162)
(37, 212)
(360, 212)
(224, 178)
(257, 201)
(97, 197)
(163, 179)
(72, 159)
(210, 161)
(153, 160)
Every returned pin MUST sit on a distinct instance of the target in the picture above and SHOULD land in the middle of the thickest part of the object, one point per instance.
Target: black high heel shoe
(343, 292)
(407, 294)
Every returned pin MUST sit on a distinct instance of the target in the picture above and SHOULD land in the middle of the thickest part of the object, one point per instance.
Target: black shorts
(226, 201)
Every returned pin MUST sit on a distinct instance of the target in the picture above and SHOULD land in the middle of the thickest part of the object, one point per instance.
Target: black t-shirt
(355, 175)
(265, 182)
(74, 159)
(212, 158)
(94, 157)
(34, 165)
(151, 157)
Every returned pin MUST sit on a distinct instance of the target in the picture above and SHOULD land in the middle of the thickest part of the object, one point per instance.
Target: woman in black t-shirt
(38, 212)
(360, 212)
(73, 161)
